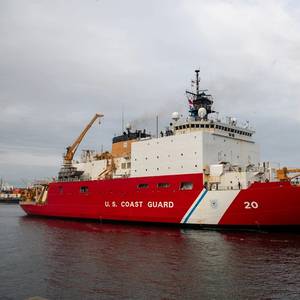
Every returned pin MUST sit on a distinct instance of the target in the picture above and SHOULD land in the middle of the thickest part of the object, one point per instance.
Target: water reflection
(63, 259)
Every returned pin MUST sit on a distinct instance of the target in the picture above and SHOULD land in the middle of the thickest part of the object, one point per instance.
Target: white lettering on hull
(160, 204)
(138, 204)
(131, 203)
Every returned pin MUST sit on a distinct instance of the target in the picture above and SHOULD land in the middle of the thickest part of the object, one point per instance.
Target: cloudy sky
(63, 61)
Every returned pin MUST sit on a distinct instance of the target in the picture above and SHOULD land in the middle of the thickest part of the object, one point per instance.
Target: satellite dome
(202, 112)
(175, 116)
(128, 126)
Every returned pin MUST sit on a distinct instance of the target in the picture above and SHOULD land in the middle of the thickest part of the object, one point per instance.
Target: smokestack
(122, 118)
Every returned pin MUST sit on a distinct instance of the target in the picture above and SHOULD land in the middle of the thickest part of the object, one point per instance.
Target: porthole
(143, 185)
(186, 186)
(84, 189)
(163, 185)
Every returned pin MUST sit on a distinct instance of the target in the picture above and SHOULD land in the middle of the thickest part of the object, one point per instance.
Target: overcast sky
(63, 61)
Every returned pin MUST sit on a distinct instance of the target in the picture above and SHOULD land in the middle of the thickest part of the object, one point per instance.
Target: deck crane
(282, 174)
(67, 170)
(68, 157)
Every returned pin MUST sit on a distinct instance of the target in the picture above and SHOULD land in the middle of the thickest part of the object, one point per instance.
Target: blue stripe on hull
(195, 206)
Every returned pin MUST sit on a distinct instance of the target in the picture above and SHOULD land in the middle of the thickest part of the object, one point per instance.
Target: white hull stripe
(194, 206)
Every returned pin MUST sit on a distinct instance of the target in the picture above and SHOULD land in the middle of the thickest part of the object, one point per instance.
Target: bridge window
(184, 186)
(84, 189)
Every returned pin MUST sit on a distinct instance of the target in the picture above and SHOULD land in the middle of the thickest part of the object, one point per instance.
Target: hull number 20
(251, 205)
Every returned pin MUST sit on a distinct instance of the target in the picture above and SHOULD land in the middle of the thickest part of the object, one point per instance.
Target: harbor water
(64, 259)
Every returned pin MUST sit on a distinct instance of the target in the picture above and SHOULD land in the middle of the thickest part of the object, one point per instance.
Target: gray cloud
(62, 61)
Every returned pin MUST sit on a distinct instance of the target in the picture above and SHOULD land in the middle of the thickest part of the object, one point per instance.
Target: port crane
(282, 174)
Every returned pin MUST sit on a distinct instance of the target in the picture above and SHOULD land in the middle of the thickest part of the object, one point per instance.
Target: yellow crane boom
(282, 174)
(68, 157)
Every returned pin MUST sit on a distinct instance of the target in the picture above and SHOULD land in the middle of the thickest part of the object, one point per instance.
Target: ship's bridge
(203, 118)
(226, 129)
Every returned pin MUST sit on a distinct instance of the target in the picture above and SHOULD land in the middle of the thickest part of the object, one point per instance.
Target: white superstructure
(224, 152)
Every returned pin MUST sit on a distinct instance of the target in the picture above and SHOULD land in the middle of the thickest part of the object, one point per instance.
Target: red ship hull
(261, 204)
(278, 204)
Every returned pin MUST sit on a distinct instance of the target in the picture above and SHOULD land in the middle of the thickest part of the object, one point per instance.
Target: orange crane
(282, 174)
(68, 157)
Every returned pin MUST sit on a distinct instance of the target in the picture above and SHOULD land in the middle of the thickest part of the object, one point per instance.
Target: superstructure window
(163, 185)
(84, 189)
(143, 185)
(184, 186)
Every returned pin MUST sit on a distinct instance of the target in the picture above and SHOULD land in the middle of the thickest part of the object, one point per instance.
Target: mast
(199, 99)
(197, 81)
